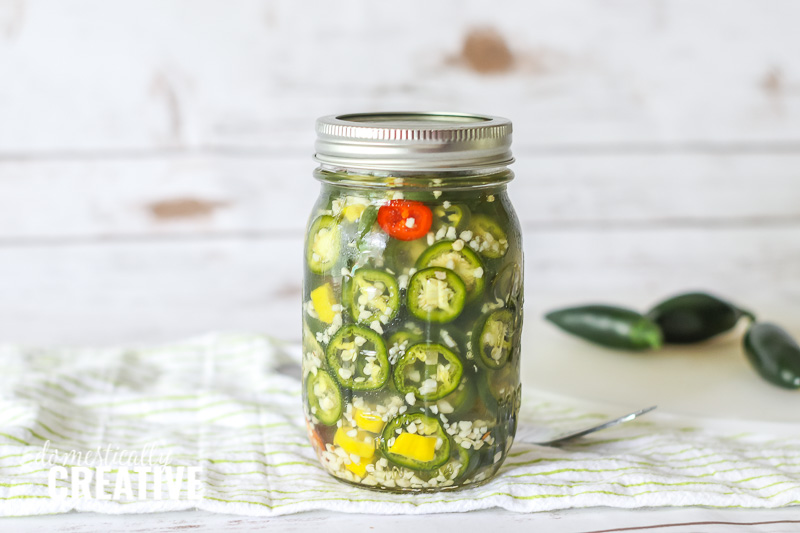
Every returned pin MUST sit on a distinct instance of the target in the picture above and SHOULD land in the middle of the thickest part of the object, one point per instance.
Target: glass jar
(412, 301)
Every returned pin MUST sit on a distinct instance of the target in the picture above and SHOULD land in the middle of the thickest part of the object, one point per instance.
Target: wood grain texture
(211, 195)
(571, 521)
(88, 75)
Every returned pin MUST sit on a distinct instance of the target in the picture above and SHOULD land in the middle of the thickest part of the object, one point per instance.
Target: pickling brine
(412, 315)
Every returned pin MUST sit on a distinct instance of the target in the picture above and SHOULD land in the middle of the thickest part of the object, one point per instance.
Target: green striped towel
(217, 403)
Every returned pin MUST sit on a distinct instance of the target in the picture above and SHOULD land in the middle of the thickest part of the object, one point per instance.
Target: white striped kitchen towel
(217, 404)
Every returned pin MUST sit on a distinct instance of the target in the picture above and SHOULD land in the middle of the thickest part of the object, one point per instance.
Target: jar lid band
(413, 141)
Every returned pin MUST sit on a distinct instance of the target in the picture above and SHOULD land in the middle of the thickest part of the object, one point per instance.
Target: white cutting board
(709, 380)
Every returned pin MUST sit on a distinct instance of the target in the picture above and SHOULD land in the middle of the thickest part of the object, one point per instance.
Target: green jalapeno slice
(429, 371)
(456, 466)
(415, 441)
(324, 244)
(458, 258)
(357, 358)
(403, 255)
(399, 337)
(372, 295)
(507, 286)
(496, 387)
(310, 344)
(488, 238)
(400, 341)
(452, 215)
(461, 400)
(436, 294)
(324, 397)
(494, 338)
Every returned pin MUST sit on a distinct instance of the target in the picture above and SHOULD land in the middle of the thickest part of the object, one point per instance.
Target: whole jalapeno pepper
(695, 317)
(774, 354)
(613, 327)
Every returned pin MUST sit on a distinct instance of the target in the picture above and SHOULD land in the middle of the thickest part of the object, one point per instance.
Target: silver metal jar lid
(413, 141)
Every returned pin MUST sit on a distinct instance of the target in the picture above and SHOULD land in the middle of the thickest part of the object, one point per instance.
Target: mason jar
(412, 300)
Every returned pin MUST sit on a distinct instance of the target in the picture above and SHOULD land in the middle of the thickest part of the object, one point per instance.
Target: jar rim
(413, 141)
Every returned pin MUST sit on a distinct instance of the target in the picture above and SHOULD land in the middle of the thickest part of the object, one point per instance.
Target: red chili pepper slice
(405, 220)
(316, 440)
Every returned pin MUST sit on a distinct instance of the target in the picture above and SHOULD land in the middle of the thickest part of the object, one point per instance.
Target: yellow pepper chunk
(362, 444)
(368, 421)
(359, 469)
(323, 300)
(413, 446)
(353, 212)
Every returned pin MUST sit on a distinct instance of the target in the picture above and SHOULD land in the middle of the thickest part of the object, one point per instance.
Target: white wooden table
(155, 178)
(572, 521)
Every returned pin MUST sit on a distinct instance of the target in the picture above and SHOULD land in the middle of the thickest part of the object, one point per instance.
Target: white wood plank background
(133, 75)
(79, 198)
(155, 163)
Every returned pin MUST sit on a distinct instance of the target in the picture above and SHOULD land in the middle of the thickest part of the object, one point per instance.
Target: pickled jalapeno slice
(454, 255)
(428, 371)
(399, 343)
(488, 238)
(436, 295)
(403, 255)
(311, 345)
(373, 295)
(456, 466)
(494, 338)
(324, 397)
(357, 358)
(324, 244)
(497, 386)
(460, 400)
(415, 441)
(403, 336)
(450, 215)
(507, 286)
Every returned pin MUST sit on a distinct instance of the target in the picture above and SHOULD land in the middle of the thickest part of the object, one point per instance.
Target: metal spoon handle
(605, 425)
